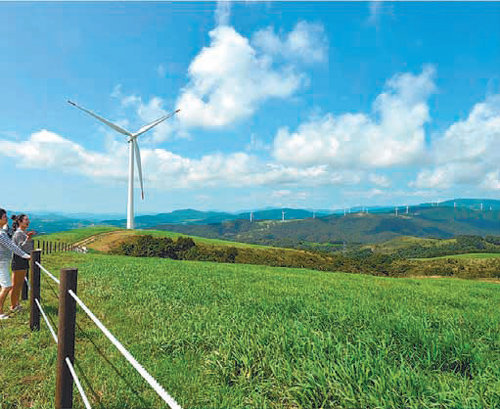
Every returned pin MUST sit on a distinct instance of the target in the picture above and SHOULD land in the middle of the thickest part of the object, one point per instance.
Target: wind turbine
(133, 149)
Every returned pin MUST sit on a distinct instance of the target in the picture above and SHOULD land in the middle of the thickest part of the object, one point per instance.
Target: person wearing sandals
(7, 247)
(20, 265)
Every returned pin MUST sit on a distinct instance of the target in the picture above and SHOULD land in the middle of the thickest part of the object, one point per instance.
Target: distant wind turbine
(133, 151)
(282, 215)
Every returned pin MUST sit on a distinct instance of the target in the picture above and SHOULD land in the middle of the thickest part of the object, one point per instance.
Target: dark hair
(2, 212)
(17, 220)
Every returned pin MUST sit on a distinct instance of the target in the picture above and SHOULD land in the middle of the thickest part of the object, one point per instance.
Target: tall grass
(244, 336)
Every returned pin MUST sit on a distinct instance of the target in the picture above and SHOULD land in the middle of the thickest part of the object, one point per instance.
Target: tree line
(363, 261)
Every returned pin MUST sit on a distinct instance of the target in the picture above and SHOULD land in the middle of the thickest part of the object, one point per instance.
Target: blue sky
(312, 105)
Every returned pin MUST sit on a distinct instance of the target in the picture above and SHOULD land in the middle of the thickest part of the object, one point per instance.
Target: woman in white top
(22, 239)
(7, 247)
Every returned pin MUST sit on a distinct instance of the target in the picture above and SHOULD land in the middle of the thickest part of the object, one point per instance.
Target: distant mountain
(191, 216)
(473, 204)
(421, 221)
(424, 220)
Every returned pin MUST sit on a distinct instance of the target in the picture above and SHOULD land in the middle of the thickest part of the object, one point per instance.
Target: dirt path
(93, 238)
(106, 241)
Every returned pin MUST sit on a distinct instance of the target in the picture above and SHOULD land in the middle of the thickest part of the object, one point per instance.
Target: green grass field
(77, 235)
(390, 246)
(244, 336)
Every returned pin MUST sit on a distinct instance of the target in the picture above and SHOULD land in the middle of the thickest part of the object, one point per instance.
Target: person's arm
(20, 239)
(9, 244)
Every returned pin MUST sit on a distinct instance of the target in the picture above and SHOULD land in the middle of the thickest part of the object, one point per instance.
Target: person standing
(7, 247)
(22, 239)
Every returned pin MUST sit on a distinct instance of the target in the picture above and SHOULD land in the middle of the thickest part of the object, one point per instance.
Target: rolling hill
(440, 222)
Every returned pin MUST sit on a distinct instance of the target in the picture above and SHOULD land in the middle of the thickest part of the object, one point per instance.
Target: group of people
(15, 251)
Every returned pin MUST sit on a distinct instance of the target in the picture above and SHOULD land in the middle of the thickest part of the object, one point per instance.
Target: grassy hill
(393, 258)
(242, 336)
(431, 222)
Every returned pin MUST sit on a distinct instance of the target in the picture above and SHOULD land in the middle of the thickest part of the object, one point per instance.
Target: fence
(65, 337)
(49, 247)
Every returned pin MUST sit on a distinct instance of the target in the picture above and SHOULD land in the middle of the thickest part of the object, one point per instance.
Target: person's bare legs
(17, 285)
(3, 296)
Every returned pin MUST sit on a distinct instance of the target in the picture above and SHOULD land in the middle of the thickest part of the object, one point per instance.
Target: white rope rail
(46, 320)
(138, 367)
(78, 384)
(47, 272)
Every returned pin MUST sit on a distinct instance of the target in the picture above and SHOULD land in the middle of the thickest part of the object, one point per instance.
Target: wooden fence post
(35, 290)
(66, 338)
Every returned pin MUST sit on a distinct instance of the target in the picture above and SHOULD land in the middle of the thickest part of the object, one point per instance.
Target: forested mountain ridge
(429, 222)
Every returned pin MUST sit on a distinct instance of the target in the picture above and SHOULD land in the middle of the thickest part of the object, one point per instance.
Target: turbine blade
(100, 118)
(146, 128)
(139, 167)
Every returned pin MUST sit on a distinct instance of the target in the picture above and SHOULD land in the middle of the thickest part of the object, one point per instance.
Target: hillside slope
(430, 222)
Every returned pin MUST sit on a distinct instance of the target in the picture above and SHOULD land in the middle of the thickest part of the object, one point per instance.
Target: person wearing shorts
(22, 239)
(7, 247)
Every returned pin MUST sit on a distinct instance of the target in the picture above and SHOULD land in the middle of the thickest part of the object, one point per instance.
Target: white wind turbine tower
(133, 149)
(282, 215)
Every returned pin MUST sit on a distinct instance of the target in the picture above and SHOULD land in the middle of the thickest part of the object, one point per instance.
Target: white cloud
(256, 145)
(393, 135)
(289, 196)
(47, 150)
(163, 169)
(306, 42)
(149, 111)
(229, 79)
(379, 180)
(468, 152)
(281, 193)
